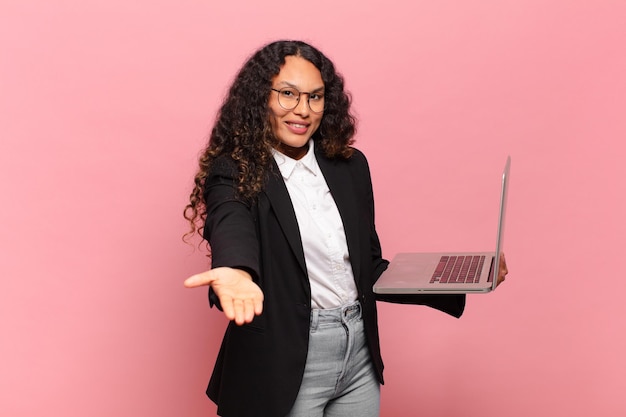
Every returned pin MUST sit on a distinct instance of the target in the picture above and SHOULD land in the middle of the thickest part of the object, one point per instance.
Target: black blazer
(260, 365)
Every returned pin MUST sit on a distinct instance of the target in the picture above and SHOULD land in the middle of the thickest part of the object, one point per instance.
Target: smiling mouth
(297, 125)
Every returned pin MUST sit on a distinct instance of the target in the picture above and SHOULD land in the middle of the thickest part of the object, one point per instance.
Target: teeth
(297, 125)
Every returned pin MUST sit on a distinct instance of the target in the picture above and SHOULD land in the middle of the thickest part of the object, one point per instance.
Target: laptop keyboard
(458, 269)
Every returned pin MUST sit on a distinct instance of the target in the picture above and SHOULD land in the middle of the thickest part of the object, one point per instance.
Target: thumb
(198, 280)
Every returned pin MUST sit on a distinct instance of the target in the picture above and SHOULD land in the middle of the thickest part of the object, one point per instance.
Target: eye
(316, 96)
(289, 93)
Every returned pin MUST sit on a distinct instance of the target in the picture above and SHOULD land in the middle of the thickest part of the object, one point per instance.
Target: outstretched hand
(240, 297)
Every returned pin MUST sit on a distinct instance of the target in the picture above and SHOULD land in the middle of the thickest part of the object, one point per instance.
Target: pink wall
(104, 106)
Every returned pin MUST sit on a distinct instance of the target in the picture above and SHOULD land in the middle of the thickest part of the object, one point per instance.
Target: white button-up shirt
(321, 229)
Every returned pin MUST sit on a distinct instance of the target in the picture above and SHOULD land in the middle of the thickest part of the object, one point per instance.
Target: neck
(292, 152)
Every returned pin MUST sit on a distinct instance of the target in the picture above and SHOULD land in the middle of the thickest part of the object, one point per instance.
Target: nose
(302, 108)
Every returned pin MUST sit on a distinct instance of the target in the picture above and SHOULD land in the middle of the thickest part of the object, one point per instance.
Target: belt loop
(315, 314)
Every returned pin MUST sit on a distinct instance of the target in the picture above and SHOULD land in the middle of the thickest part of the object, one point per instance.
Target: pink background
(104, 106)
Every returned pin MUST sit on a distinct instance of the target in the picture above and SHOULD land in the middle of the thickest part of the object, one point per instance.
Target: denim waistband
(337, 315)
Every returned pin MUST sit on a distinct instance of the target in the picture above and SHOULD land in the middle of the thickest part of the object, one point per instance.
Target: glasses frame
(308, 103)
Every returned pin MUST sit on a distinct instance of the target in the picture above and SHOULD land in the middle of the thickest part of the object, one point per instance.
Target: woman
(286, 205)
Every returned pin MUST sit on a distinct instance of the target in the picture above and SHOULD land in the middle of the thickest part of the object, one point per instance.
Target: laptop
(447, 273)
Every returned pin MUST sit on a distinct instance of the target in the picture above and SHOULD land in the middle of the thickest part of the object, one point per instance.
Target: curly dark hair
(243, 131)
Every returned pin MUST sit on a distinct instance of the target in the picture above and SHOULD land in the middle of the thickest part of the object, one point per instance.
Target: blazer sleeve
(450, 304)
(379, 264)
(229, 226)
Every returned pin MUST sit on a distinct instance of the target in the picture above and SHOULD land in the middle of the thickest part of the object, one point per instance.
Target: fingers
(258, 306)
(502, 270)
(241, 311)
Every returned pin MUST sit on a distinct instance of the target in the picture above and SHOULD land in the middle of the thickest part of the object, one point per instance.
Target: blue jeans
(339, 378)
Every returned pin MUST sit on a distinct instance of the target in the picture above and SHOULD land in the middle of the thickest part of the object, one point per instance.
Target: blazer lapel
(278, 197)
(340, 183)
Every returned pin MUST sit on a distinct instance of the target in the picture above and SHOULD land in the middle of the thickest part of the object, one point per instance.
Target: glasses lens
(288, 98)
(316, 102)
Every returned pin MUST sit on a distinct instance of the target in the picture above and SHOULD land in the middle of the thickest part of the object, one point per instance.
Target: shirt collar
(287, 164)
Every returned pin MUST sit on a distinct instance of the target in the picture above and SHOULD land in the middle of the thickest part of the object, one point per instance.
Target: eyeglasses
(289, 97)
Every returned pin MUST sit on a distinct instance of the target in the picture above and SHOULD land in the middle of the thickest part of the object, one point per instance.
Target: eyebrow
(288, 84)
